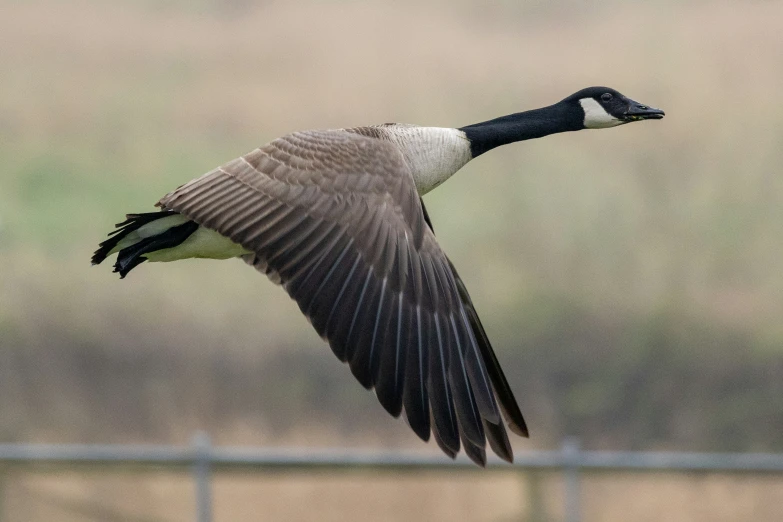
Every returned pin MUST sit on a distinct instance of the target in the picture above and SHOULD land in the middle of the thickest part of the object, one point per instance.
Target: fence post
(536, 510)
(3, 474)
(201, 473)
(572, 494)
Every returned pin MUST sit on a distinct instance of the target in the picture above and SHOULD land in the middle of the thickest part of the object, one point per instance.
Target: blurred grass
(495, 497)
(630, 279)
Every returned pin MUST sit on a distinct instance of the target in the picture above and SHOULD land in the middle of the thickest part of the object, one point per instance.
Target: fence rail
(202, 458)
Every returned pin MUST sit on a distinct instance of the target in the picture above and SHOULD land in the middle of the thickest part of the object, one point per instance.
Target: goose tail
(142, 234)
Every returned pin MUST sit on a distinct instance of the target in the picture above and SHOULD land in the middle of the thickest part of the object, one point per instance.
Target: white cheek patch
(596, 116)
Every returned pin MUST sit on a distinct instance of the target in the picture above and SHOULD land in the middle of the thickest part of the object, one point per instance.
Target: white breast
(204, 243)
(434, 154)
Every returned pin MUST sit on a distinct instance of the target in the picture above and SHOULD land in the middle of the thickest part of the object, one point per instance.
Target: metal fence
(201, 458)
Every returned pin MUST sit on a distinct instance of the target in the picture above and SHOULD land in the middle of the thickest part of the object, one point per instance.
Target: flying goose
(336, 217)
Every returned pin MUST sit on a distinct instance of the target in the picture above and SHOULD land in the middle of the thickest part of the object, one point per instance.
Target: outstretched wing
(335, 218)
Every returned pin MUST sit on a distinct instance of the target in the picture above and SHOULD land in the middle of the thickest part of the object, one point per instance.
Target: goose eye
(606, 96)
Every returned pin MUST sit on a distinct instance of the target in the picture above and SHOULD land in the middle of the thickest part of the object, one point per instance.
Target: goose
(336, 218)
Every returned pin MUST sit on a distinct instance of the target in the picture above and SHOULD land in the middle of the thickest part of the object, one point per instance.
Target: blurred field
(630, 279)
(490, 497)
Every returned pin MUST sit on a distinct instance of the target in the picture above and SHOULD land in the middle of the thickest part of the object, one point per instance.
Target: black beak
(636, 111)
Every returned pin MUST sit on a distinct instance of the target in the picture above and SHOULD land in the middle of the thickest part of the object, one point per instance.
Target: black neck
(560, 117)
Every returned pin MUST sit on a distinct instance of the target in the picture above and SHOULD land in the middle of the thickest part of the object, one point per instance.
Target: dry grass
(381, 497)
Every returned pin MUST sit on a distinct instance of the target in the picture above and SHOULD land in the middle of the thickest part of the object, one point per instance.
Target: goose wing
(335, 218)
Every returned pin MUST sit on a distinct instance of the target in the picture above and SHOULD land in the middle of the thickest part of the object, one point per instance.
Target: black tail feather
(133, 255)
(131, 223)
(130, 257)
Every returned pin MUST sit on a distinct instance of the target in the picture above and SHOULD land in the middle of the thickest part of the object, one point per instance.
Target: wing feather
(334, 216)
(415, 395)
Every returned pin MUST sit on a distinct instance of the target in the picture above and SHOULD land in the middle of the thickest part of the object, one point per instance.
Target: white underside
(202, 244)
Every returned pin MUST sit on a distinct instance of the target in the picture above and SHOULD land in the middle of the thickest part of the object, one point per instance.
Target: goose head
(604, 107)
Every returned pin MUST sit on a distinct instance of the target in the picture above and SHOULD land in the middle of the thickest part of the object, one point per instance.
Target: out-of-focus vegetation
(386, 497)
(630, 279)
